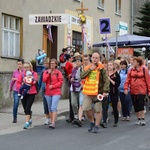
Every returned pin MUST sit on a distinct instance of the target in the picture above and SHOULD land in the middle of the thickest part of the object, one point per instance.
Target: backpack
(62, 58)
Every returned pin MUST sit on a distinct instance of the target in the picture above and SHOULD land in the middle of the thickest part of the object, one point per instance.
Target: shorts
(138, 102)
(88, 103)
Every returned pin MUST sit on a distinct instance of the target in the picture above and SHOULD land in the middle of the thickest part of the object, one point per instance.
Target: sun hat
(28, 73)
(76, 54)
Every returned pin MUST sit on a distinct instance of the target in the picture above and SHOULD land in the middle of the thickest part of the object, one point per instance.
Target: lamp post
(117, 29)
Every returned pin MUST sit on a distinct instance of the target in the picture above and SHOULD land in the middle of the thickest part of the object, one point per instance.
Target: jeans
(52, 102)
(125, 103)
(39, 69)
(45, 104)
(16, 104)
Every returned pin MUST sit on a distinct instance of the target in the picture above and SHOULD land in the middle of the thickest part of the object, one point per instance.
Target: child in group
(28, 80)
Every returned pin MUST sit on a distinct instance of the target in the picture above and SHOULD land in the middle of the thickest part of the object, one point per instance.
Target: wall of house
(32, 34)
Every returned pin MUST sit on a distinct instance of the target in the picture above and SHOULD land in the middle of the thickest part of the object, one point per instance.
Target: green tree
(143, 22)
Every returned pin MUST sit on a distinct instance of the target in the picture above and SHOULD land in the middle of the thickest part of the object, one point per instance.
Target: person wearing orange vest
(96, 82)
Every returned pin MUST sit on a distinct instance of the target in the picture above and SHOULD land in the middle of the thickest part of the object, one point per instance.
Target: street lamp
(117, 29)
(143, 50)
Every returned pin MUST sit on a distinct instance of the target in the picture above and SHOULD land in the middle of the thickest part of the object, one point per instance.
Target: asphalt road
(127, 136)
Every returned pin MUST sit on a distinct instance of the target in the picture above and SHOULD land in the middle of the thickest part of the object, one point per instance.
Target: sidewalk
(38, 118)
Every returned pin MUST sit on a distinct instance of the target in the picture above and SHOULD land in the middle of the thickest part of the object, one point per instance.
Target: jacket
(114, 88)
(68, 68)
(55, 79)
(138, 81)
(33, 89)
(123, 76)
(103, 83)
(75, 84)
(16, 74)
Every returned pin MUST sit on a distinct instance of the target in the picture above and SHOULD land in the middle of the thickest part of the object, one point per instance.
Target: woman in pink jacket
(53, 79)
(28, 99)
(13, 88)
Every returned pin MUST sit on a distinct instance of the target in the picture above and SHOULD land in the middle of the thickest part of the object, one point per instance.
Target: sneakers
(107, 120)
(21, 97)
(119, 114)
(143, 123)
(26, 125)
(83, 118)
(95, 129)
(124, 119)
(69, 120)
(128, 118)
(19, 94)
(14, 121)
(138, 122)
(115, 125)
(52, 126)
(30, 122)
(47, 122)
(104, 125)
(77, 122)
(91, 126)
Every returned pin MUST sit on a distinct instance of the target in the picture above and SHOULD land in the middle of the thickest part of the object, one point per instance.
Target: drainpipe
(131, 26)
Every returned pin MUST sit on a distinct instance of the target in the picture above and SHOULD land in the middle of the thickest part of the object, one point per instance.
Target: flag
(84, 38)
(50, 33)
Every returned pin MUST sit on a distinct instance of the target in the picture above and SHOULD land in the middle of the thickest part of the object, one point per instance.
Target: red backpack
(62, 58)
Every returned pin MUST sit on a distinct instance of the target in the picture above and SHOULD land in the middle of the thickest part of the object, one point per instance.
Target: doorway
(48, 46)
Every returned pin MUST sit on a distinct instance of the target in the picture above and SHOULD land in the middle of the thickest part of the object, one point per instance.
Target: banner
(125, 52)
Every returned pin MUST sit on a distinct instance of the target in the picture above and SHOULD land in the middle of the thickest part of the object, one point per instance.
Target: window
(100, 3)
(77, 41)
(118, 6)
(10, 36)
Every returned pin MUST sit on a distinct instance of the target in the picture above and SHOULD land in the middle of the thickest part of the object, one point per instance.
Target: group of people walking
(118, 82)
(50, 80)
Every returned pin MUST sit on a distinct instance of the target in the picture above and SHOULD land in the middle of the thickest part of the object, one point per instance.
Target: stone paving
(38, 118)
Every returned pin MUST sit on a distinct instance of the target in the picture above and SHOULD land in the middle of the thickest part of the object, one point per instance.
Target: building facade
(20, 39)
